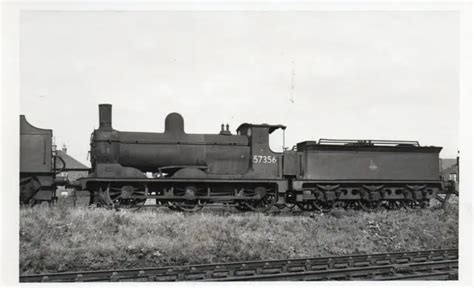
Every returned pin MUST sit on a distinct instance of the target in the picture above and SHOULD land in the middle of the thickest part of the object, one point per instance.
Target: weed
(64, 238)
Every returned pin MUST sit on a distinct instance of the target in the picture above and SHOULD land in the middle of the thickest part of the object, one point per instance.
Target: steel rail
(363, 273)
(267, 269)
(434, 275)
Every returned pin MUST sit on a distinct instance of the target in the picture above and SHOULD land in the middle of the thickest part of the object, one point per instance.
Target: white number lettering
(264, 159)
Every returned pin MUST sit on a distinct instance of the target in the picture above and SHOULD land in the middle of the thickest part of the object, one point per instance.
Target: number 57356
(264, 159)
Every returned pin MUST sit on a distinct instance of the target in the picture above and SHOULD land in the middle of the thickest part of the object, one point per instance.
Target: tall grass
(62, 238)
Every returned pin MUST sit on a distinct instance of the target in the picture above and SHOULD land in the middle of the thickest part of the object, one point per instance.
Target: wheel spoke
(306, 206)
(263, 204)
(243, 206)
(323, 206)
(370, 205)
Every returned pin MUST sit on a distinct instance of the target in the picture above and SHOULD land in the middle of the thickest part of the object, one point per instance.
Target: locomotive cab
(265, 162)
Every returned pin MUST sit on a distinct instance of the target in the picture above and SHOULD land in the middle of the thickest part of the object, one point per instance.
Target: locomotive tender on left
(38, 164)
(188, 171)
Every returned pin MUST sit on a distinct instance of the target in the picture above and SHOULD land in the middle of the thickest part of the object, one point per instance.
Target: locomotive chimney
(105, 117)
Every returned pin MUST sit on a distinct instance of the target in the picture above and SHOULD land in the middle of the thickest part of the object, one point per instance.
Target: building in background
(450, 170)
(74, 170)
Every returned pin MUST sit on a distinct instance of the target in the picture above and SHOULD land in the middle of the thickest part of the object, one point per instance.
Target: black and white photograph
(265, 141)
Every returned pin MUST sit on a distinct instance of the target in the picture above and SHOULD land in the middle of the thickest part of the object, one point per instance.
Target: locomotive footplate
(256, 195)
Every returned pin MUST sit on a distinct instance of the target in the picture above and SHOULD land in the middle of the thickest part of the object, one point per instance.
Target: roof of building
(450, 169)
(446, 163)
(71, 163)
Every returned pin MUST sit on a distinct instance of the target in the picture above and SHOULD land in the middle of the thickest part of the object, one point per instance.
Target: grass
(62, 238)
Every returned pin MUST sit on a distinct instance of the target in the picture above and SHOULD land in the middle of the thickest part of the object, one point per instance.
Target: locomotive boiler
(187, 171)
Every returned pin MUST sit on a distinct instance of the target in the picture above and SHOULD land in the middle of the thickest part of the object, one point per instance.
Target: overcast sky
(361, 75)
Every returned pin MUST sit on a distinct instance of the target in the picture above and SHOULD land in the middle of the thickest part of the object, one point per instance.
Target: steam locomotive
(187, 171)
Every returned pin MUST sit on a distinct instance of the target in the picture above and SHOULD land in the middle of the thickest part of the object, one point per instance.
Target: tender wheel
(351, 205)
(396, 204)
(280, 206)
(413, 204)
(306, 206)
(290, 206)
(370, 205)
(322, 206)
(28, 189)
(425, 203)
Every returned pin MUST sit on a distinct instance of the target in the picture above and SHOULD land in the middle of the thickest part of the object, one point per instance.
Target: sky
(337, 74)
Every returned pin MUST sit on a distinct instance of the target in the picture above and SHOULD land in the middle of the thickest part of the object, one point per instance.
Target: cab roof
(271, 128)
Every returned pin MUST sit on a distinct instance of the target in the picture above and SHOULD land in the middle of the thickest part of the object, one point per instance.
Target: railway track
(413, 265)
